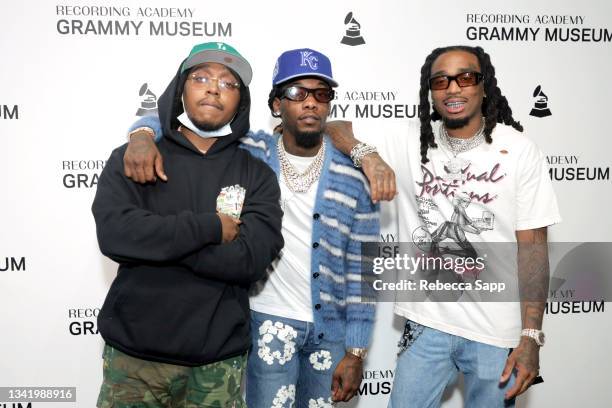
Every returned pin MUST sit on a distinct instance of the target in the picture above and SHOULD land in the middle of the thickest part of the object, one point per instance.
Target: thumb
(159, 167)
(510, 362)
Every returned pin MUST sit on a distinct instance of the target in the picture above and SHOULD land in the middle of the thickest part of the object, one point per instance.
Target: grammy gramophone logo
(352, 36)
(148, 101)
(540, 107)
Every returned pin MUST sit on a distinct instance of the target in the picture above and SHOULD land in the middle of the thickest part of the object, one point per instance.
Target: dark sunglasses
(464, 79)
(299, 93)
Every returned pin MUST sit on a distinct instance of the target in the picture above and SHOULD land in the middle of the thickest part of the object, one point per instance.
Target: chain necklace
(458, 145)
(300, 183)
(456, 166)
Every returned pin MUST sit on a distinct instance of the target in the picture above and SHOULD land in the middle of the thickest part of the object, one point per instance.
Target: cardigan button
(318, 306)
(315, 275)
(321, 335)
(315, 245)
(316, 216)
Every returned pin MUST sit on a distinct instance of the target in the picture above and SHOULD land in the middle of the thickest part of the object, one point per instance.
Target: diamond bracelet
(359, 151)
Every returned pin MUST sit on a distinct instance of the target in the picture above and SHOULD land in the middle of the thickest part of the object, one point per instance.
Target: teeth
(454, 104)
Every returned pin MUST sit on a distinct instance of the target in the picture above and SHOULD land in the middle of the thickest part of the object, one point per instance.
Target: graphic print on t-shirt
(465, 193)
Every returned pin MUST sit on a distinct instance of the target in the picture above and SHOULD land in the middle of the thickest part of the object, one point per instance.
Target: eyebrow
(471, 68)
(206, 69)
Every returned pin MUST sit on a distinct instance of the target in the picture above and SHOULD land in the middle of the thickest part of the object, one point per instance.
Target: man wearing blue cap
(312, 317)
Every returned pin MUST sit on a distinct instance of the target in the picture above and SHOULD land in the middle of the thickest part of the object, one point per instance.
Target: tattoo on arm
(533, 275)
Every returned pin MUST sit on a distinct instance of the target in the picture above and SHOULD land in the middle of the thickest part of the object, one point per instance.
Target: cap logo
(311, 60)
(221, 46)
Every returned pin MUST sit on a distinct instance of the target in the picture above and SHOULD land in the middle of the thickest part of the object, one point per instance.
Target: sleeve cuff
(358, 335)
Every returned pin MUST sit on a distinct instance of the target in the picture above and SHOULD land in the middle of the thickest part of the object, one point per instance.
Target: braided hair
(495, 106)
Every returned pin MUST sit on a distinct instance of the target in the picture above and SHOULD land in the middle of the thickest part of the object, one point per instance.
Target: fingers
(335, 388)
(149, 171)
(382, 180)
(392, 186)
(127, 169)
(342, 392)
(350, 387)
(374, 190)
(140, 173)
(380, 187)
(159, 168)
(350, 393)
(142, 160)
(389, 186)
(505, 376)
(520, 380)
(131, 168)
(527, 383)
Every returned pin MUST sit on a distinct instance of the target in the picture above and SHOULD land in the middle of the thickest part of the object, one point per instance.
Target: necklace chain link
(300, 182)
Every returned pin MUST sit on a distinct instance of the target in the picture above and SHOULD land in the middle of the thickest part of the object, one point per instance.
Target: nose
(310, 102)
(453, 87)
(213, 87)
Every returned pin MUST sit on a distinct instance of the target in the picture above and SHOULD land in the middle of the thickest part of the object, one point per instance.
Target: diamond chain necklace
(300, 182)
(458, 145)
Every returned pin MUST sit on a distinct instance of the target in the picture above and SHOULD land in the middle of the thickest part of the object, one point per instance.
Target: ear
(276, 107)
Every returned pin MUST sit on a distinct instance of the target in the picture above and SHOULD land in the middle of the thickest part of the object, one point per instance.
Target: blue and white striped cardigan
(344, 217)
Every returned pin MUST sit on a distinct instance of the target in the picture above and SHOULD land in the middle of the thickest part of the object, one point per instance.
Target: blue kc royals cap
(300, 63)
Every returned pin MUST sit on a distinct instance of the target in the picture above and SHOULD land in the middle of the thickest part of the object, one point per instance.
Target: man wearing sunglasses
(312, 316)
(468, 179)
(313, 301)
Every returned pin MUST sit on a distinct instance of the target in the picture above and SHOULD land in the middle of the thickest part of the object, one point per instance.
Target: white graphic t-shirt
(483, 195)
(287, 292)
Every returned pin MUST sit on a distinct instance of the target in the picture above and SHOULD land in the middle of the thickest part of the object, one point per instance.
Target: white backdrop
(70, 76)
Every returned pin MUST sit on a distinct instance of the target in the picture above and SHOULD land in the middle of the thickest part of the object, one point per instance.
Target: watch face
(541, 338)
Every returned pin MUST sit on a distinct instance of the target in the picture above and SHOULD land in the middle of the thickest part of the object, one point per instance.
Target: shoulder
(255, 164)
(260, 144)
(520, 143)
(259, 139)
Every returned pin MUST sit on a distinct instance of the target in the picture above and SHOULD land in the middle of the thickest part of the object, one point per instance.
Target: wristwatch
(358, 352)
(535, 334)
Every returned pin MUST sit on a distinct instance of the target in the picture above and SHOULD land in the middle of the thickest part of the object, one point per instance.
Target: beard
(456, 123)
(205, 126)
(307, 140)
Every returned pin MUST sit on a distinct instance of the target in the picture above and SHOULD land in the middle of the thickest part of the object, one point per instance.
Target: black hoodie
(180, 295)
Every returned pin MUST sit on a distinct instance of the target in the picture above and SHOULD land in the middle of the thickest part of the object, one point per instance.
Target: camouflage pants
(130, 382)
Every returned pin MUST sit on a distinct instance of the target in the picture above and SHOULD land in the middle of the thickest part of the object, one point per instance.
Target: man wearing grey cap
(312, 316)
(176, 318)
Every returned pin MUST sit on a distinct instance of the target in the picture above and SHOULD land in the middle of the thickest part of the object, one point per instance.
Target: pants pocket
(412, 331)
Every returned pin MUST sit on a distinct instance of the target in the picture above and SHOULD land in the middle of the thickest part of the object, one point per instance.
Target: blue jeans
(433, 359)
(287, 367)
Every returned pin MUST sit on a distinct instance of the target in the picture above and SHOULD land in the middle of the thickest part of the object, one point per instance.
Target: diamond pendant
(454, 169)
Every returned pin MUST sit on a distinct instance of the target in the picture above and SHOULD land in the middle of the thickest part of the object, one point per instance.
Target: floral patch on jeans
(321, 360)
(320, 403)
(286, 394)
(284, 333)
